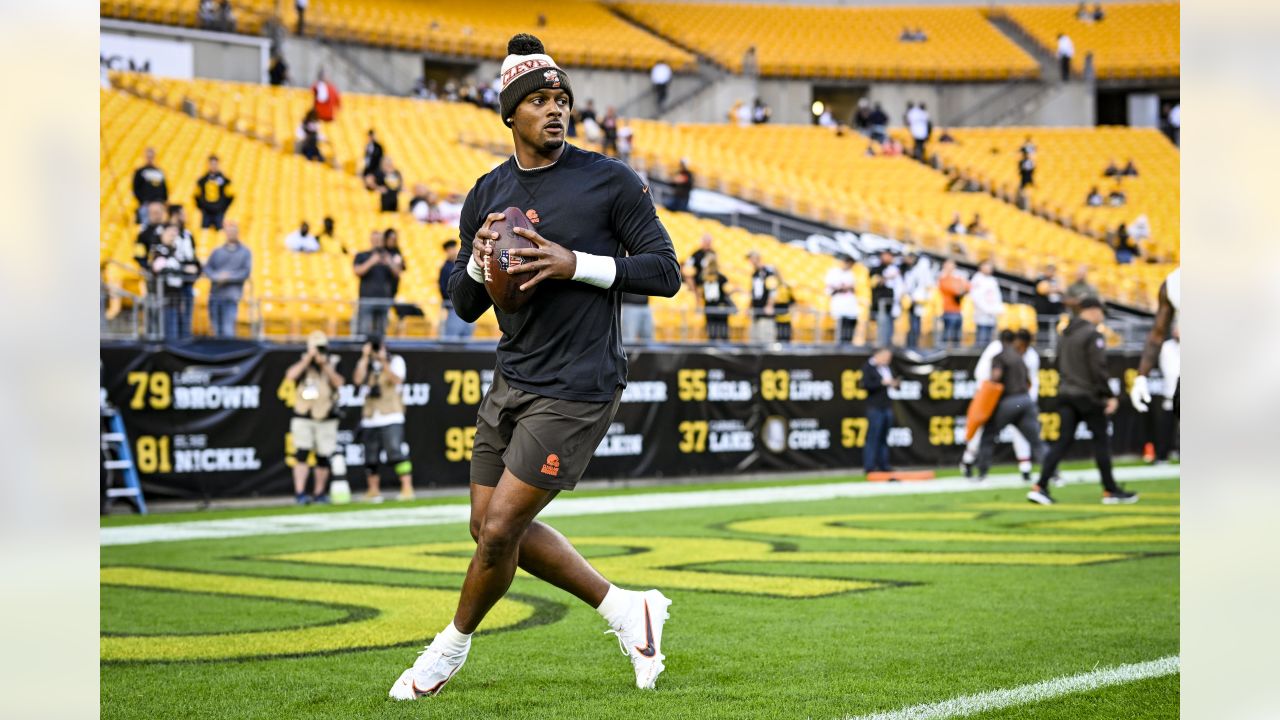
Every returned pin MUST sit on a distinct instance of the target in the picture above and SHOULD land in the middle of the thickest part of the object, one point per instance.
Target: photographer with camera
(382, 424)
(315, 420)
(379, 272)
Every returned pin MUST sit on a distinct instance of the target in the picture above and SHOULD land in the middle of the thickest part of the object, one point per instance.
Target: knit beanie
(528, 69)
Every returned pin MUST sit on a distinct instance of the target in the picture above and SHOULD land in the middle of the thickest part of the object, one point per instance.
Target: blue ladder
(117, 440)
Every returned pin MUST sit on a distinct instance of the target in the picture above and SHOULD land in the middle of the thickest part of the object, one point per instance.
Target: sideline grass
(932, 631)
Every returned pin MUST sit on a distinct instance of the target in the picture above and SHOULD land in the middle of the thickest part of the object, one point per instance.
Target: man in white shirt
(918, 282)
(660, 76)
(984, 292)
(301, 240)
(1066, 51)
(920, 126)
(844, 303)
(981, 372)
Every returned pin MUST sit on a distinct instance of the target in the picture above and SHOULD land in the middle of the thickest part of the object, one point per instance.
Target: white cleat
(641, 637)
(428, 675)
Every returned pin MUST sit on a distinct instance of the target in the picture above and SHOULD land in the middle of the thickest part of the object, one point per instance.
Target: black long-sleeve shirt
(149, 185)
(1082, 362)
(565, 342)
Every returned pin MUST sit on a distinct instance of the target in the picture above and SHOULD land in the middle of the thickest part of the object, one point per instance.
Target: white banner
(149, 55)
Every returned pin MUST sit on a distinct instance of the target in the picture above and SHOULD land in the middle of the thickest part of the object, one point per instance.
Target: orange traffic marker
(900, 476)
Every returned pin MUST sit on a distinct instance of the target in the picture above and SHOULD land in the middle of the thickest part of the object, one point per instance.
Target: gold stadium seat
(1134, 40)
(841, 42)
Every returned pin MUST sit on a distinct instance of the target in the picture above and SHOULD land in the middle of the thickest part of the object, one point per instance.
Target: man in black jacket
(372, 155)
(1084, 395)
(560, 363)
(149, 185)
(877, 378)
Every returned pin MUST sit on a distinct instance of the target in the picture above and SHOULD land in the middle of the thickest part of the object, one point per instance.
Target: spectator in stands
(886, 298)
(1098, 15)
(905, 35)
(213, 195)
(717, 300)
(952, 286)
(987, 303)
(172, 267)
(945, 137)
(693, 265)
(1094, 198)
(185, 246)
(1082, 11)
(149, 184)
(1140, 228)
(877, 378)
(918, 284)
(825, 119)
(957, 226)
(1066, 51)
(391, 242)
(844, 305)
(329, 240)
(783, 299)
(879, 123)
(764, 283)
(425, 205)
(1117, 198)
(660, 76)
(1026, 171)
(1126, 247)
(309, 137)
(301, 240)
(372, 154)
(301, 7)
(156, 219)
(1048, 302)
(976, 228)
(278, 72)
(1028, 146)
(920, 126)
(1113, 170)
(609, 131)
(1175, 123)
(1079, 289)
(750, 63)
(455, 328)
(228, 267)
(207, 14)
(388, 184)
(760, 113)
(625, 139)
(1129, 170)
(637, 318)
(862, 116)
(681, 187)
(378, 275)
(226, 21)
(326, 99)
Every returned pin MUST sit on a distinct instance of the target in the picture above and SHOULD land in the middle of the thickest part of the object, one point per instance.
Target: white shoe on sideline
(428, 675)
(641, 636)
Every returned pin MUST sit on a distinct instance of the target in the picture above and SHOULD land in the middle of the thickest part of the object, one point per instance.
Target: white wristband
(597, 270)
(475, 271)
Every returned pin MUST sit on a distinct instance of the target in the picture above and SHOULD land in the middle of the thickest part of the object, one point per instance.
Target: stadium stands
(583, 33)
(841, 42)
(827, 177)
(1070, 162)
(1135, 40)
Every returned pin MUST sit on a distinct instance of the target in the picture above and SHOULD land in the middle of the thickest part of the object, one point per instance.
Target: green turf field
(791, 610)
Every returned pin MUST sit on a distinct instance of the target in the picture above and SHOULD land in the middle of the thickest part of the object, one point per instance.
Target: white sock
(451, 642)
(1024, 466)
(616, 605)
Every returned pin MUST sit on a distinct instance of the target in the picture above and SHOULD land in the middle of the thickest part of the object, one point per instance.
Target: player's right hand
(1139, 394)
(482, 243)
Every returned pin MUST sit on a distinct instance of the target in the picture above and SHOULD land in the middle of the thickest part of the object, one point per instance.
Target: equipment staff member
(1084, 395)
(315, 420)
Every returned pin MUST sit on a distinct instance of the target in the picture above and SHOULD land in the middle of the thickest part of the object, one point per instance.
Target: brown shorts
(545, 442)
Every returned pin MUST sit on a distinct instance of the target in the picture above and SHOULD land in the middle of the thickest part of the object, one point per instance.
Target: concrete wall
(222, 56)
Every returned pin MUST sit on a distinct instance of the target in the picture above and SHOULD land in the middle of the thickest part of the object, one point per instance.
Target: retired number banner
(212, 420)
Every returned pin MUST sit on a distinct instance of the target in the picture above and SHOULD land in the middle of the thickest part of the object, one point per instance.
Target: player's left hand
(549, 260)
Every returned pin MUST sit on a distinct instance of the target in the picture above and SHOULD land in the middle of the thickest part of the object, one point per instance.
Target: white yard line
(570, 506)
(966, 705)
